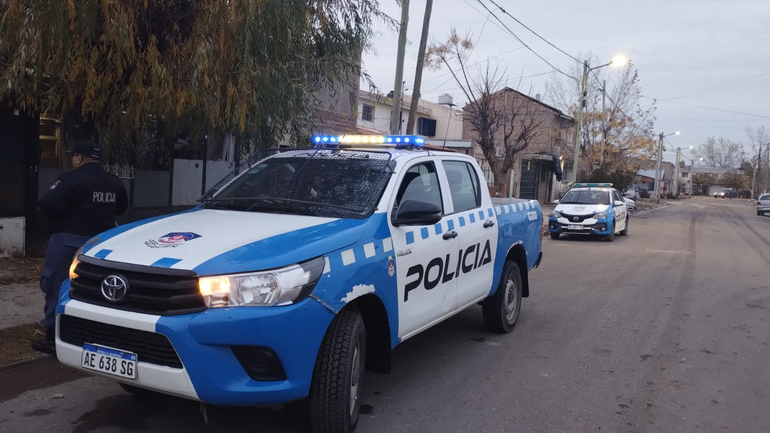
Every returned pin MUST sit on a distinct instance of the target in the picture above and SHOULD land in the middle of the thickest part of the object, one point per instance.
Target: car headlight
(262, 289)
(556, 214)
(75, 262)
(600, 215)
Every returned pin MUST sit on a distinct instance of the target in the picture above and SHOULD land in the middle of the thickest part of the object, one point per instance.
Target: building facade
(537, 169)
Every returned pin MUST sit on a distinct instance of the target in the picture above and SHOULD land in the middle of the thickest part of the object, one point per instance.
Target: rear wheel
(501, 311)
(555, 236)
(337, 386)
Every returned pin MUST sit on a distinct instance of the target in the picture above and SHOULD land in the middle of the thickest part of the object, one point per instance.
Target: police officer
(81, 204)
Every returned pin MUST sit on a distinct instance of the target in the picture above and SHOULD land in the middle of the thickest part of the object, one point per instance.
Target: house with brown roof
(536, 172)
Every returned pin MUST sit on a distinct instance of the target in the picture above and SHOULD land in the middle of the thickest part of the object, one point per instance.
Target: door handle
(489, 224)
(451, 234)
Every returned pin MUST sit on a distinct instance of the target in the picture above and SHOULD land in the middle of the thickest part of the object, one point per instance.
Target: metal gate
(530, 173)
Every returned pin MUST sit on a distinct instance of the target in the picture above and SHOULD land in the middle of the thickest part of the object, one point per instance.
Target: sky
(695, 53)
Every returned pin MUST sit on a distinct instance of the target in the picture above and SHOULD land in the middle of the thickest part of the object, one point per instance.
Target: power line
(523, 43)
(535, 33)
(526, 77)
(474, 64)
(710, 89)
(708, 108)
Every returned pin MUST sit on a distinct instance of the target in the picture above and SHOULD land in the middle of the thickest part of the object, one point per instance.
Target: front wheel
(337, 386)
(501, 311)
(610, 237)
(624, 232)
(555, 236)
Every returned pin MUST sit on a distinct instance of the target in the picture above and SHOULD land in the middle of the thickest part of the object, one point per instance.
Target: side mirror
(555, 202)
(619, 203)
(416, 213)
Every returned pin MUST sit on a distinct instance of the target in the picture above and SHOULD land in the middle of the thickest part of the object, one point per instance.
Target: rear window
(764, 198)
(586, 197)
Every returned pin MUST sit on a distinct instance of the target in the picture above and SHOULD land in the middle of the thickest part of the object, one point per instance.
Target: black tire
(501, 311)
(624, 232)
(759, 213)
(610, 237)
(555, 236)
(334, 402)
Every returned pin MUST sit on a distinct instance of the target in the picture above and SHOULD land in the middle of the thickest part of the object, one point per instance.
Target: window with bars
(367, 112)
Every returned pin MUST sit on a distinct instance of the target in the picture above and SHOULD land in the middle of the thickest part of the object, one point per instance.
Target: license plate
(109, 361)
(575, 227)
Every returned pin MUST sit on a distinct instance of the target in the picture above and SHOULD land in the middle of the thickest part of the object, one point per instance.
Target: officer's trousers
(58, 258)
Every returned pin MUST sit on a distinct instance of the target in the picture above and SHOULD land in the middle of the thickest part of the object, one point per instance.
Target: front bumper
(590, 226)
(210, 371)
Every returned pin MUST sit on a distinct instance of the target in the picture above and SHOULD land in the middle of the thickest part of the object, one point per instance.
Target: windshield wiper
(285, 200)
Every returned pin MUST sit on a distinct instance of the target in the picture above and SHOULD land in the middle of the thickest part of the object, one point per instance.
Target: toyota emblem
(114, 288)
(575, 219)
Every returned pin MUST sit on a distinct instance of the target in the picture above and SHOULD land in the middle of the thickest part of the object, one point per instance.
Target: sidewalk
(21, 307)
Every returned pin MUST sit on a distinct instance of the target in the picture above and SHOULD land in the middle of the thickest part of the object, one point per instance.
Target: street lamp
(676, 169)
(657, 169)
(618, 61)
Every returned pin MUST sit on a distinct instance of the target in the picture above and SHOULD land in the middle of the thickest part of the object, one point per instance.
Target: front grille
(148, 346)
(580, 218)
(160, 291)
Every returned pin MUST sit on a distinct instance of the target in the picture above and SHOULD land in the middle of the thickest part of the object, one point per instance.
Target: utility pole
(676, 171)
(418, 71)
(692, 168)
(604, 128)
(395, 114)
(756, 169)
(579, 126)
(657, 168)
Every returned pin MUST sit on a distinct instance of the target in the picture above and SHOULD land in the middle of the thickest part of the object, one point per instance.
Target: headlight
(74, 264)
(556, 214)
(600, 215)
(262, 289)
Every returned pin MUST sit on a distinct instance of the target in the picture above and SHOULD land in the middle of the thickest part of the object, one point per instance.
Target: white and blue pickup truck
(297, 273)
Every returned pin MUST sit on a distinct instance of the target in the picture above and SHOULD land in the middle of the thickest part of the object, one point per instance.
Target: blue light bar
(387, 141)
(603, 185)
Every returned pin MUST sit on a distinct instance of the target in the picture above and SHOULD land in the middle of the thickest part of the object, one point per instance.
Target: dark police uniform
(81, 204)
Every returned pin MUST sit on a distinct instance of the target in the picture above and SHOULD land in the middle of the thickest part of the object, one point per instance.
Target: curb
(26, 362)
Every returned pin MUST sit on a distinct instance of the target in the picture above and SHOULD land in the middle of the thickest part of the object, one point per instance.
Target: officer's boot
(47, 344)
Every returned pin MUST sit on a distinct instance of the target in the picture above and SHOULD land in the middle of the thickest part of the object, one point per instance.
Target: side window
(616, 196)
(463, 185)
(420, 183)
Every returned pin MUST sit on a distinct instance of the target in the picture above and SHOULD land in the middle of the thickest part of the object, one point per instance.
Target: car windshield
(586, 197)
(325, 183)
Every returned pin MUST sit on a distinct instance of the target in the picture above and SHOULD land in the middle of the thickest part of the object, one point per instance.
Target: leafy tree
(720, 153)
(247, 66)
(735, 180)
(624, 125)
(620, 178)
(704, 181)
(497, 116)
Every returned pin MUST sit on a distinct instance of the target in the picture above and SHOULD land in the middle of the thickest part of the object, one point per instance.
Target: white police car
(590, 209)
(293, 276)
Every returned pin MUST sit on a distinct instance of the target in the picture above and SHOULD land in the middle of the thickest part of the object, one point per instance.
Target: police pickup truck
(296, 273)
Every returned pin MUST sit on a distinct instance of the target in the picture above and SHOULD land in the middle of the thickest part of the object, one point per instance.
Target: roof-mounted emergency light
(604, 185)
(388, 141)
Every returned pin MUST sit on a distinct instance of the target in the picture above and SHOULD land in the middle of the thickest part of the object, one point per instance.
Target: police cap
(89, 149)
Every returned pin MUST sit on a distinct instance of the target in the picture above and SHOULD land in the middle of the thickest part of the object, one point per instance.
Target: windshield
(586, 197)
(325, 183)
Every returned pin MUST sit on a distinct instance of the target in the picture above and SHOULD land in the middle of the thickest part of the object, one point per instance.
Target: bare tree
(624, 125)
(720, 153)
(760, 158)
(499, 117)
